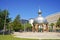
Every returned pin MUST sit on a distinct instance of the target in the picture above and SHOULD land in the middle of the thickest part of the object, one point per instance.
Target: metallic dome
(40, 19)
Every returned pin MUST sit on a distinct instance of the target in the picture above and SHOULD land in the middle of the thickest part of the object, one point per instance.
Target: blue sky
(29, 8)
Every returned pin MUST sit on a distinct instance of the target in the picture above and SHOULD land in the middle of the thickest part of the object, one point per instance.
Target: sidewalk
(38, 35)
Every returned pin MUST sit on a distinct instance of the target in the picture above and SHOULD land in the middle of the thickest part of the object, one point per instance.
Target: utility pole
(4, 29)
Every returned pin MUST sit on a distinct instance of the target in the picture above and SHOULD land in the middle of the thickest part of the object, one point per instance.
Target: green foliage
(52, 24)
(3, 14)
(58, 22)
(22, 27)
(10, 26)
(16, 23)
(28, 27)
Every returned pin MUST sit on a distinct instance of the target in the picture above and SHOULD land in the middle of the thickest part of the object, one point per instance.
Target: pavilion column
(33, 28)
(47, 27)
(44, 27)
(36, 27)
(54, 28)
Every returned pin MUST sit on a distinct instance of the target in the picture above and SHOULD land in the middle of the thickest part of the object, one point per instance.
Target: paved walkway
(38, 35)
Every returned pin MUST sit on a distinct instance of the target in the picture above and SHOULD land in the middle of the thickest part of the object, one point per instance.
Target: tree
(51, 28)
(16, 23)
(52, 24)
(4, 18)
(58, 22)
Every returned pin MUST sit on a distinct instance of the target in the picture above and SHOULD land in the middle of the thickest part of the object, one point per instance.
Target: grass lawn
(10, 37)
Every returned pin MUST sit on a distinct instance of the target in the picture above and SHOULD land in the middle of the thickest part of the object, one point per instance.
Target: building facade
(43, 24)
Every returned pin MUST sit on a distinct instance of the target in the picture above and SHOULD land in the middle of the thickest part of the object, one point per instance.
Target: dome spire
(39, 12)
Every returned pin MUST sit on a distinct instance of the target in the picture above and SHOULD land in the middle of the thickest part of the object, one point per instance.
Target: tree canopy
(16, 23)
